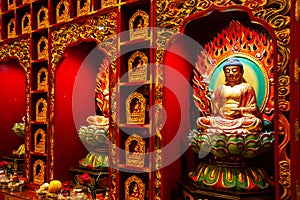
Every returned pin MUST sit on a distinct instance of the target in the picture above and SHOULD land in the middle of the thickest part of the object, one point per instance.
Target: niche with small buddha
(138, 25)
(83, 7)
(135, 108)
(42, 79)
(42, 48)
(39, 172)
(42, 18)
(41, 110)
(40, 141)
(62, 11)
(11, 4)
(26, 25)
(11, 28)
(137, 67)
(135, 151)
(134, 188)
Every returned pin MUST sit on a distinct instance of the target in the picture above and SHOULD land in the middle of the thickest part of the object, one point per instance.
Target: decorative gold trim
(40, 141)
(42, 48)
(42, 18)
(11, 4)
(137, 67)
(108, 3)
(26, 23)
(41, 110)
(83, 7)
(296, 70)
(135, 108)
(11, 28)
(285, 176)
(297, 190)
(90, 30)
(297, 10)
(134, 188)
(135, 151)
(26, 1)
(39, 172)
(62, 11)
(42, 79)
(297, 131)
(19, 49)
(139, 25)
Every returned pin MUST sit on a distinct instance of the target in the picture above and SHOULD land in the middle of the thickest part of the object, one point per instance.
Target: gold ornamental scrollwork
(285, 177)
(171, 14)
(18, 49)
(102, 29)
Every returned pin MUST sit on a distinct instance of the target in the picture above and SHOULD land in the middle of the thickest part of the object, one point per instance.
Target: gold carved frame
(135, 151)
(62, 11)
(40, 141)
(26, 23)
(134, 188)
(139, 25)
(42, 48)
(83, 7)
(42, 79)
(137, 67)
(42, 18)
(135, 108)
(39, 172)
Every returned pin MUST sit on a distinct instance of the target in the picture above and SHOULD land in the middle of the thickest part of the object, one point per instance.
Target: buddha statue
(234, 106)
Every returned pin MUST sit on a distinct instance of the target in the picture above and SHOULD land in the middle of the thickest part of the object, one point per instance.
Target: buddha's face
(233, 74)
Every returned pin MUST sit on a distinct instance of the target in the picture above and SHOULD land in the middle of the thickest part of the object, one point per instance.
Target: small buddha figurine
(234, 107)
(135, 191)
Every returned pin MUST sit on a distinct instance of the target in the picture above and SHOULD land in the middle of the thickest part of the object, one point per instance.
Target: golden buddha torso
(234, 109)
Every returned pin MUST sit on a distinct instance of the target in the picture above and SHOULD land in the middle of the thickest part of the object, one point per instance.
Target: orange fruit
(54, 186)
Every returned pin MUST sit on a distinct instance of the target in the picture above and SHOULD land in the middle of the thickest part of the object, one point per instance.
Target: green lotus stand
(231, 173)
(95, 138)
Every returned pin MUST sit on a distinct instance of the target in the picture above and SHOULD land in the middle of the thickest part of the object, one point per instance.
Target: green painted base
(95, 160)
(234, 176)
(188, 190)
(20, 151)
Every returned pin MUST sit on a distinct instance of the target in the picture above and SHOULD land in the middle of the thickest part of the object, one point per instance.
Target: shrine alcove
(197, 34)
(75, 83)
(12, 104)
